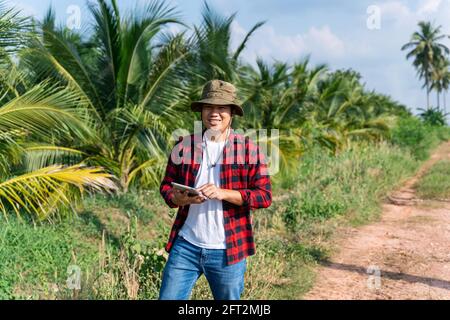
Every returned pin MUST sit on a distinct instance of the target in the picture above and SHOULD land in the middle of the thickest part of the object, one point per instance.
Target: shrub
(413, 135)
(433, 117)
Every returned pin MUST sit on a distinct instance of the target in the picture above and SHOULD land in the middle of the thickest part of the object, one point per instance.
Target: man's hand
(211, 191)
(181, 198)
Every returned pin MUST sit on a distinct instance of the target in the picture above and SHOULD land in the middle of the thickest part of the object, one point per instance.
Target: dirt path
(409, 248)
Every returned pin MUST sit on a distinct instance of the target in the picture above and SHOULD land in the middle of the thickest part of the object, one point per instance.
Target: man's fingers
(208, 189)
(210, 194)
(207, 192)
(200, 199)
(205, 186)
(178, 191)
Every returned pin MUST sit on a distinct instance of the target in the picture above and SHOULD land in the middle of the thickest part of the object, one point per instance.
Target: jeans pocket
(176, 244)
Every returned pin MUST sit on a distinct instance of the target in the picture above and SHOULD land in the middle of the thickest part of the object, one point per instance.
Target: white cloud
(394, 10)
(397, 13)
(267, 43)
(25, 9)
(324, 40)
(429, 6)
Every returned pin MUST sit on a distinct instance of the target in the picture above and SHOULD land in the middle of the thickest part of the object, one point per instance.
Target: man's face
(216, 117)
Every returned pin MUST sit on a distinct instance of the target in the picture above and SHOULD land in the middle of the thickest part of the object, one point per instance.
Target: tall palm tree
(426, 49)
(440, 79)
(445, 87)
(130, 77)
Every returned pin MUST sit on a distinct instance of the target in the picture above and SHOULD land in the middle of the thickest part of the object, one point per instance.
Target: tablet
(191, 191)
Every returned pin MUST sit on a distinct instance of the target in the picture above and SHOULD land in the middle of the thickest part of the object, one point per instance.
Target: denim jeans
(188, 262)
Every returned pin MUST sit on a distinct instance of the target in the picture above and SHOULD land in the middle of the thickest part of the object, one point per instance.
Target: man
(212, 233)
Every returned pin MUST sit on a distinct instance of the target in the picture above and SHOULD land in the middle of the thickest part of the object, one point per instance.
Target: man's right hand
(181, 198)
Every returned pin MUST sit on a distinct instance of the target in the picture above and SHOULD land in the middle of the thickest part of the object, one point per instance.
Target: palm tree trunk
(428, 92)
(445, 104)
(438, 102)
(444, 93)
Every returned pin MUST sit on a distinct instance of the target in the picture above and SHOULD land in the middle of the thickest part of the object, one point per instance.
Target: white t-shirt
(204, 225)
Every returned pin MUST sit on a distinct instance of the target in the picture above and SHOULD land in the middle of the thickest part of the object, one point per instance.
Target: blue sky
(334, 32)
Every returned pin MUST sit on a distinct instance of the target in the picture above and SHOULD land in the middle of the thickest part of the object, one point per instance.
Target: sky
(364, 35)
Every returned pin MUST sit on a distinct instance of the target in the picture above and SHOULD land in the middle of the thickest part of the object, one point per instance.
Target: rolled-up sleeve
(171, 175)
(258, 193)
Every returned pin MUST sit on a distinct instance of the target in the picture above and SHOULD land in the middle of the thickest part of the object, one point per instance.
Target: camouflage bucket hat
(218, 92)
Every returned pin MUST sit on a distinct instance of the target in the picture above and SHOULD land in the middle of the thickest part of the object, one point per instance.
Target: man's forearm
(233, 197)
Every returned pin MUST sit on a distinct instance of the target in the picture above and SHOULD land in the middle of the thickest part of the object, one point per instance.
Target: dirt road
(406, 255)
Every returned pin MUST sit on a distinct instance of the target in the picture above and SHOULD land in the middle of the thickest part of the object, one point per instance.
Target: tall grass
(435, 184)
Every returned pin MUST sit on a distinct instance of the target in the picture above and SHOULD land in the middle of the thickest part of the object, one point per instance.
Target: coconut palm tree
(214, 57)
(129, 76)
(343, 111)
(42, 112)
(426, 49)
(445, 86)
(440, 78)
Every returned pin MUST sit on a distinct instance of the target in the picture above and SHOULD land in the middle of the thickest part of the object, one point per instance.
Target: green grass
(435, 184)
(35, 259)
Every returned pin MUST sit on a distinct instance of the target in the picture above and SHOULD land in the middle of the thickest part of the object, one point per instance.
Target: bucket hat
(218, 92)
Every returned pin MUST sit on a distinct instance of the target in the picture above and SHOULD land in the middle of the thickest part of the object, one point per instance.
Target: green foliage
(434, 117)
(329, 186)
(435, 184)
(417, 137)
(411, 133)
(35, 258)
(130, 203)
(134, 271)
(312, 204)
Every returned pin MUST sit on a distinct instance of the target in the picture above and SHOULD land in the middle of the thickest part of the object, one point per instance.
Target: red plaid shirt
(242, 169)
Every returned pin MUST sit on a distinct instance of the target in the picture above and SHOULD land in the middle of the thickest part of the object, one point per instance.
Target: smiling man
(212, 233)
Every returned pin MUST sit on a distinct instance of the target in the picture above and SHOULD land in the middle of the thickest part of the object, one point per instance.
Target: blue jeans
(188, 262)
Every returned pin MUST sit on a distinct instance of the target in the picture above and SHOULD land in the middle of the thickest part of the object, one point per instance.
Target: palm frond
(43, 192)
(14, 29)
(37, 157)
(45, 112)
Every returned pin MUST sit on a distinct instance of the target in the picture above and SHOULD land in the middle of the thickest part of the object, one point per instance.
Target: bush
(417, 137)
(433, 117)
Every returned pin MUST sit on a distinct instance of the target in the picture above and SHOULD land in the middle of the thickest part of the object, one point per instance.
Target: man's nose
(215, 111)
